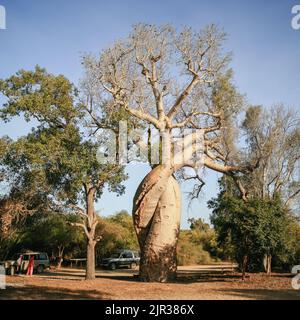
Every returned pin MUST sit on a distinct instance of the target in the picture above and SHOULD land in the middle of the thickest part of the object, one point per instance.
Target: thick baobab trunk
(156, 214)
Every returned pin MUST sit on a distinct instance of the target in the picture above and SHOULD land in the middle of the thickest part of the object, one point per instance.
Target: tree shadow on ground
(263, 294)
(182, 278)
(29, 292)
(187, 278)
(120, 274)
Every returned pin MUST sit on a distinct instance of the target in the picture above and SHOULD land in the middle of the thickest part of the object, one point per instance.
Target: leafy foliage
(197, 245)
(57, 160)
(52, 233)
(117, 233)
(253, 228)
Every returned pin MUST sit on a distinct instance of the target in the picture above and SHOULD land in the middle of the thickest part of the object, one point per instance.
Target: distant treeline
(201, 244)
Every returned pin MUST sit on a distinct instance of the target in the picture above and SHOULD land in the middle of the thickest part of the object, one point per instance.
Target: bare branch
(177, 105)
(223, 168)
(144, 116)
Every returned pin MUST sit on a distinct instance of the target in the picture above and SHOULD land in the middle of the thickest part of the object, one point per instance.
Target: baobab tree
(170, 81)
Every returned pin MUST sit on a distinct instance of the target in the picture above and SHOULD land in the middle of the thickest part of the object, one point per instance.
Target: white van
(19, 262)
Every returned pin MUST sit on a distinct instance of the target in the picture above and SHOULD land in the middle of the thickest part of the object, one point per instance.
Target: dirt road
(193, 283)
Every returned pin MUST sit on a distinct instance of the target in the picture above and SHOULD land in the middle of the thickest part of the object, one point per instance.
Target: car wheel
(113, 266)
(133, 265)
(40, 269)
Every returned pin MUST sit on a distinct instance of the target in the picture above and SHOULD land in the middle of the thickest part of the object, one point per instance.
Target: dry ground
(194, 283)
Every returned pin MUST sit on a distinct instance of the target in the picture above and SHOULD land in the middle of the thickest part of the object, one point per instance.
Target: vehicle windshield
(115, 255)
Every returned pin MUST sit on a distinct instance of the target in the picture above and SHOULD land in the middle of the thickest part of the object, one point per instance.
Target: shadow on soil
(192, 278)
(39, 292)
(120, 274)
(263, 294)
(183, 277)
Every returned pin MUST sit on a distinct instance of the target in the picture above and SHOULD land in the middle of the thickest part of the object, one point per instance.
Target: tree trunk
(59, 262)
(268, 264)
(91, 242)
(244, 266)
(90, 260)
(156, 215)
(60, 256)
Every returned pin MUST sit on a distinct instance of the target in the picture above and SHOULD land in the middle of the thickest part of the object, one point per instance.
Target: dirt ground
(193, 283)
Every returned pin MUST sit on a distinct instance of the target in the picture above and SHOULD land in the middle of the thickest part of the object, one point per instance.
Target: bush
(190, 251)
(117, 233)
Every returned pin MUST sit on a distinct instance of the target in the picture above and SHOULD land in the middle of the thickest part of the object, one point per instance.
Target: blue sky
(54, 34)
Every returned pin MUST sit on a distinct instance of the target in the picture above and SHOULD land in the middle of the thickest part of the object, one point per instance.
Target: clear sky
(55, 33)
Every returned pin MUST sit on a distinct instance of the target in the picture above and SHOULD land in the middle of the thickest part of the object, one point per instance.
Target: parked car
(121, 258)
(19, 262)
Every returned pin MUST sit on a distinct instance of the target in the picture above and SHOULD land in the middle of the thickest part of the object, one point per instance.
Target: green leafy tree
(254, 228)
(52, 233)
(57, 158)
(117, 233)
(4, 144)
(197, 245)
(191, 250)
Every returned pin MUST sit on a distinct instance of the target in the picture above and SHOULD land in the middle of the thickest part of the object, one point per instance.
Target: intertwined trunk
(156, 215)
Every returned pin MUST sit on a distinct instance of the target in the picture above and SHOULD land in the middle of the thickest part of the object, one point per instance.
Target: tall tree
(56, 156)
(272, 136)
(169, 81)
(272, 140)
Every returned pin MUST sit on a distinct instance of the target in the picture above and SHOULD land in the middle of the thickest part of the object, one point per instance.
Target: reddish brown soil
(194, 283)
